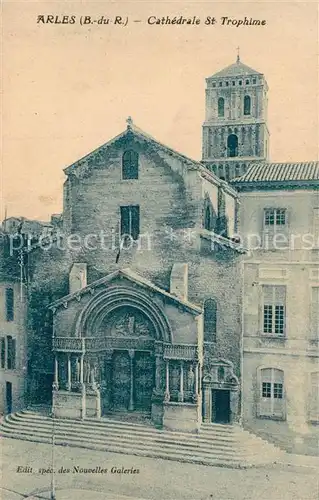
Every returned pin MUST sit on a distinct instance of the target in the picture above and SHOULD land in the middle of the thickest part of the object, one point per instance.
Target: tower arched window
(221, 107)
(130, 164)
(210, 320)
(232, 145)
(247, 105)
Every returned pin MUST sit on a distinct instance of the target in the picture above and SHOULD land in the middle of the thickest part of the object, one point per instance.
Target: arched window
(210, 320)
(232, 145)
(247, 105)
(221, 106)
(208, 219)
(271, 393)
(130, 164)
(221, 373)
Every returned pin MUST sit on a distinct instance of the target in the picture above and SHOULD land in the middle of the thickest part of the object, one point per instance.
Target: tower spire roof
(238, 68)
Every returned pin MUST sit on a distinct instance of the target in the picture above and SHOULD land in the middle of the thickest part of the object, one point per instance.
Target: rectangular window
(9, 298)
(11, 357)
(314, 313)
(274, 310)
(8, 352)
(3, 352)
(130, 221)
(275, 217)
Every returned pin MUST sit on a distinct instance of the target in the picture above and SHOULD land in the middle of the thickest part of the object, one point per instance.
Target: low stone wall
(181, 417)
(67, 404)
(93, 404)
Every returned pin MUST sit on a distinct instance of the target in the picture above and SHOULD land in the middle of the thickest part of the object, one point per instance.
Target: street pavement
(93, 475)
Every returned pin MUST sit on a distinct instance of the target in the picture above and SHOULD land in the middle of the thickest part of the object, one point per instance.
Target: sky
(67, 89)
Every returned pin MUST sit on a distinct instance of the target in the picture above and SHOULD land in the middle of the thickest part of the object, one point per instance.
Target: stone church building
(141, 292)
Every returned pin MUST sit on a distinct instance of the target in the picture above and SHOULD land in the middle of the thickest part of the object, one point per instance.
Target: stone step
(254, 442)
(68, 438)
(214, 445)
(218, 462)
(103, 426)
(165, 442)
(119, 427)
(155, 435)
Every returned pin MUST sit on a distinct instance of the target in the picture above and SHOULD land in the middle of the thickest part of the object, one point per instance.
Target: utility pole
(53, 497)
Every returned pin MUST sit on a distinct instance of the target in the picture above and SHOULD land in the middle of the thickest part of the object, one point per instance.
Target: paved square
(155, 479)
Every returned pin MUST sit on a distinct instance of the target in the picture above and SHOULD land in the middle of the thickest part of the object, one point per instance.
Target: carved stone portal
(127, 322)
(221, 392)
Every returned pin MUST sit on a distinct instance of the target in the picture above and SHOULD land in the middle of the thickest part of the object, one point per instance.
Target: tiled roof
(235, 69)
(277, 172)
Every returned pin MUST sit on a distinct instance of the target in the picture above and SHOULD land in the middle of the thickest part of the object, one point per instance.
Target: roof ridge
(280, 171)
(236, 68)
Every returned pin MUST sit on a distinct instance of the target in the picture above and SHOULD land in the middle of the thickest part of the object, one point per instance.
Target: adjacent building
(13, 332)
(279, 223)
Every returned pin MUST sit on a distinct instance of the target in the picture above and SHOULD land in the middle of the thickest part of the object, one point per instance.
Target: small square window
(281, 217)
(269, 217)
(233, 83)
(227, 84)
(214, 84)
(220, 84)
(254, 81)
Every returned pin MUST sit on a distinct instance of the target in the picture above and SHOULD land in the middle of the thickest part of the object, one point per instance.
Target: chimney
(179, 280)
(77, 277)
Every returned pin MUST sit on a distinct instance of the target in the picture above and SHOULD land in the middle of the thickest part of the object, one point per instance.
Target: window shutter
(280, 295)
(268, 294)
(278, 408)
(135, 218)
(3, 352)
(9, 304)
(315, 313)
(314, 400)
(9, 352)
(316, 226)
(13, 354)
(125, 221)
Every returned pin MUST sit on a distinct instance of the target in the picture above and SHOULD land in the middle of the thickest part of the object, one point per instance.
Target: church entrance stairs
(215, 444)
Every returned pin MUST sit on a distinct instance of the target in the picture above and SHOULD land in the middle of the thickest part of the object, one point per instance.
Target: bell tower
(235, 132)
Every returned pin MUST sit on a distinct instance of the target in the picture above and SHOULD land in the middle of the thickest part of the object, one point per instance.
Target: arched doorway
(221, 392)
(128, 369)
